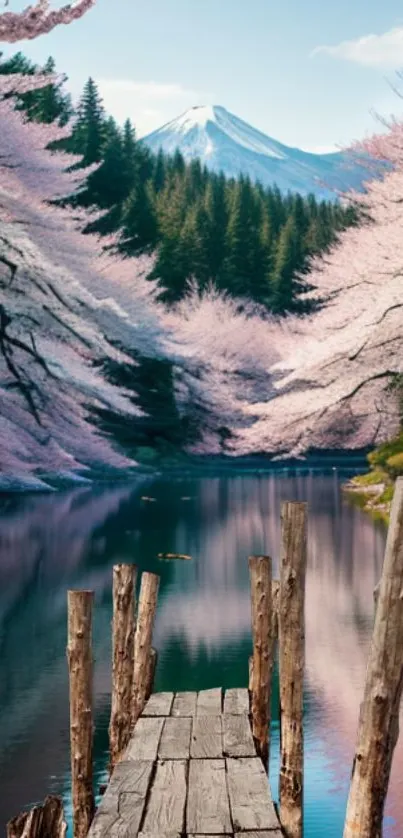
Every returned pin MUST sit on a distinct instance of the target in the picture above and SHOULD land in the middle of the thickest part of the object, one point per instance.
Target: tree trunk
(275, 590)
(291, 665)
(152, 666)
(124, 587)
(79, 652)
(263, 644)
(378, 727)
(142, 642)
(46, 821)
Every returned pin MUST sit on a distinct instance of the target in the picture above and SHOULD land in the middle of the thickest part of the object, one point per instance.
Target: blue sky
(306, 72)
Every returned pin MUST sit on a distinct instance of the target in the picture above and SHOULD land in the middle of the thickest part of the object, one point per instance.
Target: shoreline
(317, 461)
(373, 498)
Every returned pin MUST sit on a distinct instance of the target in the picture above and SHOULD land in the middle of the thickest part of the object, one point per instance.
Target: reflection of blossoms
(39, 19)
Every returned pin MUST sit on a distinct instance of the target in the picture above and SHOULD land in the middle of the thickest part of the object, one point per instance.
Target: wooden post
(291, 664)
(378, 727)
(142, 642)
(275, 589)
(260, 575)
(152, 666)
(124, 587)
(46, 821)
(81, 725)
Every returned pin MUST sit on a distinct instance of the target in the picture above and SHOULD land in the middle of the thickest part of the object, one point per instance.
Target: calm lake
(71, 540)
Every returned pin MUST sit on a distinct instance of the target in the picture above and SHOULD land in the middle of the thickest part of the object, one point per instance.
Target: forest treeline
(249, 240)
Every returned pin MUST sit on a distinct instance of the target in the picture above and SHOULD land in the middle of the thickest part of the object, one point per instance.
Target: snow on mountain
(223, 142)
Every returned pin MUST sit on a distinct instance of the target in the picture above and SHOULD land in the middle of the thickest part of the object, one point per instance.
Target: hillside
(96, 372)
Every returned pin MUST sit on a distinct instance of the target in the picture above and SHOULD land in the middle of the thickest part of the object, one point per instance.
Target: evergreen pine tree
(215, 204)
(159, 172)
(283, 282)
(89, 132)
(139, 221)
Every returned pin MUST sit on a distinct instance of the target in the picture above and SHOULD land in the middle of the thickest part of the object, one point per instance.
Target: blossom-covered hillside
(76, 325)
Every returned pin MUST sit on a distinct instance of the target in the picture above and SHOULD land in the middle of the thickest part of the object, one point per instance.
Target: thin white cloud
(146, 89)
(381, 51)
(149, 104)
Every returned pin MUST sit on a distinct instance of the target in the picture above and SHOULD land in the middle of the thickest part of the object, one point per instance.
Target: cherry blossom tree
(250, 383)
(39, 19)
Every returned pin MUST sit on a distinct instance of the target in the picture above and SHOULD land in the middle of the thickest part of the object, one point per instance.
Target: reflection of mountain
(203, 623)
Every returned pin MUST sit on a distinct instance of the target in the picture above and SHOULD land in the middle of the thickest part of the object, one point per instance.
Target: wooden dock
(190, 769)
(194, 764)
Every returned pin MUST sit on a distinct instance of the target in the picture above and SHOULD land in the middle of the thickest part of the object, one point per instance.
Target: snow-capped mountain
(223, 142)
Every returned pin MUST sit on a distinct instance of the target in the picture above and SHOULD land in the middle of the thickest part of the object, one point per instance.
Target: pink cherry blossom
(39, 19)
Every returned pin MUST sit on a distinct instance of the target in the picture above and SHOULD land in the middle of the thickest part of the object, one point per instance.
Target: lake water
(71, 540)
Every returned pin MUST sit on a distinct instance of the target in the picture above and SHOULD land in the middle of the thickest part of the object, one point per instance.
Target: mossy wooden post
(79, 653)
(378, 727)
(291, 665)
(275, 587)
(124, 586)
(44, 821)
(142, 642)
(261, 597)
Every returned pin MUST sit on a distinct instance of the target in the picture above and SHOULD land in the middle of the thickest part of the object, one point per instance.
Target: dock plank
(237, 737)
(159, 704)
(251, 803)
(184, 704)
(208, 805)
(145, 739)
(166, 806)
(264, 833)
(236, 702)
(209, 702)
(129, 777)
(175, 739)
(206, 741)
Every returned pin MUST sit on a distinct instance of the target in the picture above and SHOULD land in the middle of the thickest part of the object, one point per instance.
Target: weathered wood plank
(175, 739)
(127, 777)
(207, 805)
(209, 702)
(159, 704)
(184, 704)
(166, 806)
(102, 824)
(250, 797)
(276, 833)
(237, 737)
(159, 835)
(145, 739)
(236, 701)
(206, 741)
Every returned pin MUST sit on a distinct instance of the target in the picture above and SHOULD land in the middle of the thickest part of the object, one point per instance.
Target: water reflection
(202, 632)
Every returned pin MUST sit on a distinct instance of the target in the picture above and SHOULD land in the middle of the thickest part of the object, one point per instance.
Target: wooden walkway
(190, 769)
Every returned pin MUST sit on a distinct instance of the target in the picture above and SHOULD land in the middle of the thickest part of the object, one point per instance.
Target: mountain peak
(224, 142)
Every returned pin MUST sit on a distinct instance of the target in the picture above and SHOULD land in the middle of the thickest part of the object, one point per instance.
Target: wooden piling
(275, 590)
(142, 642)
(291, 664)
(261, 598)
(44, 821)
(124, 587)
(79, 655)
(152, 666)
(378, 727)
